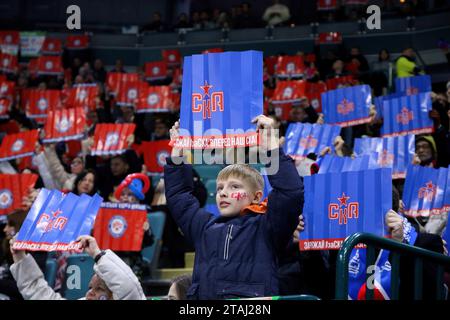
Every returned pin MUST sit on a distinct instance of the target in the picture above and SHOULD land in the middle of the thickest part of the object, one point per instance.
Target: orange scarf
(259, 208)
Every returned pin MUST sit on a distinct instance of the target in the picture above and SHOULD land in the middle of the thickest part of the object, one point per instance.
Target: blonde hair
(243, 172)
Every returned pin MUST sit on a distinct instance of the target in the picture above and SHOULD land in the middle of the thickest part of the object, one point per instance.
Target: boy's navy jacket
(238, 256)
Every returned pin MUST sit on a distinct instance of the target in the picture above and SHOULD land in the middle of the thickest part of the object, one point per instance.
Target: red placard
(13, 187)
(114, 80)
(49, 65)
(340, 82)
(9, 41)
(82, 96)
(111, 139)
(155, 70)
(8, 63)
(323, 5)
(212, 50)
(290, 66)
(7, 89)
(177, 77)
(329, 38)
(313, 92)
(129, 93)
(155, 99)
(33, 67)
(52, 46)
(270, 63)
(77, 42)
(120, 226)
(155, 154)
(39, 102)
(18, 145)
(171, 57)
(64, 125)
(289, 91)
(5, 106)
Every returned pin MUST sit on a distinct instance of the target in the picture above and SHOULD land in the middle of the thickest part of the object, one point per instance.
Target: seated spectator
(276, 14)
(196, 21)
(99, 72)
(161, 131)
(113, 279)
(205, 21)
(183, 22)
(179, 287)
(247, 19)
(426, 152)
(155, 24)
(380, 73)
(337, 70)
(119, 66)
(406, 64)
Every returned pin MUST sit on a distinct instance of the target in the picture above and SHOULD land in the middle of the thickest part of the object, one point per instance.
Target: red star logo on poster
(206, 87)
(343, 200)
(56, 213)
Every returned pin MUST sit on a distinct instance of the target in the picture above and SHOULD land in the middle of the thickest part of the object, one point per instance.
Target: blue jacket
(236, 257)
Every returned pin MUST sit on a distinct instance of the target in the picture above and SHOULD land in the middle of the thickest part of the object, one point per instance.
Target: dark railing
(397, 249)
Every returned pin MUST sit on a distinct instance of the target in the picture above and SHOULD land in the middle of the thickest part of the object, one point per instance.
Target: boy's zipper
(227, 242)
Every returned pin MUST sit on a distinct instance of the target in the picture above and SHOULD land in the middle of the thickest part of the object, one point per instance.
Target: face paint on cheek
(239, 195)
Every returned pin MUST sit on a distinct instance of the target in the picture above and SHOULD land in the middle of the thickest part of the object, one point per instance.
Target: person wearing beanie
(426, 152)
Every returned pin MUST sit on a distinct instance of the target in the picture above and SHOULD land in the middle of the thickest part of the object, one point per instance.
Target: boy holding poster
(237, 251)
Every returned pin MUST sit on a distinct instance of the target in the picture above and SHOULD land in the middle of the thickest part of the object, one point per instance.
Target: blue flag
(331, 163)
(378, 102)
(305, 138)
(413, 85)
(340, 204)
(347, 106)
(407, 114)
(424, 190)
(221, 94)
(393, 152)
(56, 220)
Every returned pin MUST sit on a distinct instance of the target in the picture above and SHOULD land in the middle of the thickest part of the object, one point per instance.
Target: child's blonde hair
(243, 172)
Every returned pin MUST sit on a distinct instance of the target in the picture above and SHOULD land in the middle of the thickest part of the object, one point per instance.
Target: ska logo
(49, 65)
(112, 139)
(81, 95)
(207, 102)
(51, 46)
(77, 42)
(290, 67)
(345, 107)
(405, 116)
(161, 157)
(152, 99)
(172, 57)
(385, 158)
(428, 192)
(48, 222)
(411, 90)
(117, 226)
(343, 210)
(308, 142)
(17, 145)
(132, 94)
(63, 125)
(287, 93)
(155, 71)
(42, 104)
(6, 62)
(6, 199)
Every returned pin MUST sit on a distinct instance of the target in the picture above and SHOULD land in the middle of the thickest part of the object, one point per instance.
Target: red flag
(313, 91)
(340, 82)
(120, 226)
(329, 38)
(33, 67)
(49, 65)
(7, 89)
(114, 80)
(8, 63)
(111, 139)
(289, 91)
(9, 41)
(270, 63)
(64, 124)
(155, 70)
(39, 102)
(155, 99)
(5, 106)
(52, 46)
(83, 95)
(326, 4)
(73, 148)
(290, 66)
(13, 187)
(155, 154)
(171, 57)
(77, 42)
(129, 92)
(212, 50)
(18, 145)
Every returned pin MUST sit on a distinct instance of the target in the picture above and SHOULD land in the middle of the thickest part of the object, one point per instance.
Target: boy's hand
(267, 132)
(174, 136)
(394, 222)
(89, 244)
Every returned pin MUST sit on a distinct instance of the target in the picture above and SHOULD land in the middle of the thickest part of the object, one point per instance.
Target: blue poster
(413, 85)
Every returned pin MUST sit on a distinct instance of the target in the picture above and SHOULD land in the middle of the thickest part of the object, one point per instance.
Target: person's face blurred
(42, 86)
(298, 114)
(77, 62)
(233, 195)
(76, 166)
(98, 64)
(127, 196)
(118, 167)
(86, 185)
(424, 151)
(409, 53)
(245, 8)
(127, 113)
(119, 64)
(161, 130)
(354, 51)
(9, 231)
(338, 66)
(384, 55)
(173, 294)
(156, 17)
(98, 290)
(204, 16)
(195, 16)
(79, 79)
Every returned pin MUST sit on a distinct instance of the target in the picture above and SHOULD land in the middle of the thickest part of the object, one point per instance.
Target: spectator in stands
(426, 152)
(247, 19)
(205, 21)
(406, 64)
(357, 64)
(161, 131)
(380, 73)
(183, 22)
(251, 229)
(337, 70)
(119, 66)
(113, 279)
(196, 21)
(99, 71)
(236, 13)
(8, 285)
(155, 24)
(76, 64)
(179, 287)
(276, 14)
(85, 182)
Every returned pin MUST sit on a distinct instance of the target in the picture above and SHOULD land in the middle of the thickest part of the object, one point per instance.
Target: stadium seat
(50, 271)
(207, 172)
(151, 254)
(210, 186)
(79, 271)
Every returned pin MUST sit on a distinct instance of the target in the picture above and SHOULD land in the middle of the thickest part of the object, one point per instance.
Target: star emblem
(56, 213)
(206, 87)
(343, 200)
(430, 185)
